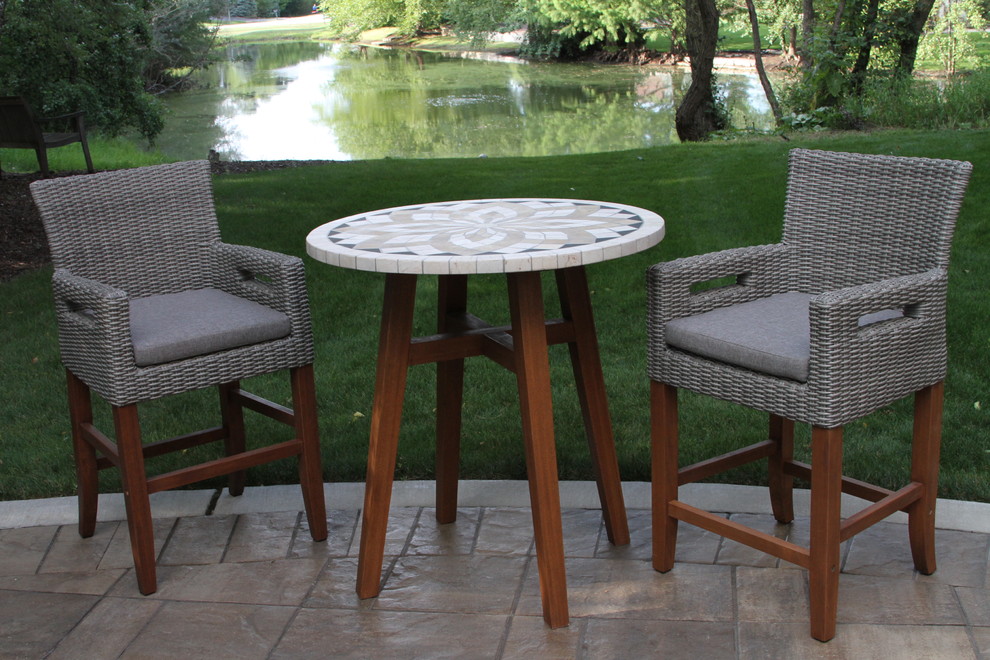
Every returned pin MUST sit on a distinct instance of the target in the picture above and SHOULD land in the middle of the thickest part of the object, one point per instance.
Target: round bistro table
(520, 238)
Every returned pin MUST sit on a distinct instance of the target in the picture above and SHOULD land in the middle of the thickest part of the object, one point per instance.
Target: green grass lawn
(712, 196)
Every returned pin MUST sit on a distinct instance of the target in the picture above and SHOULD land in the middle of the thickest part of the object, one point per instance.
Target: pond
(306, 100)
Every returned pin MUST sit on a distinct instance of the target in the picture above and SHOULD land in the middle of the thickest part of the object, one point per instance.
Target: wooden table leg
(575, 303)
(386, 416)
(532, 367)
(452, 299)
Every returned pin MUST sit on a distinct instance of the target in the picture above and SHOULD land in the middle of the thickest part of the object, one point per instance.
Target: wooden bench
(20, 129)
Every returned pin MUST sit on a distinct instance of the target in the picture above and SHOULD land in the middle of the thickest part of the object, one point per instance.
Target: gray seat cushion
(770, 335)
(175, 326)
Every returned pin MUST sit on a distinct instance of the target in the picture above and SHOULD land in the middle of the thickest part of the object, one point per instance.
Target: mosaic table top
(485, 236)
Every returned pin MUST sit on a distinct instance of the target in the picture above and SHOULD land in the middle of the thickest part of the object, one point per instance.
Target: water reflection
(334, 101)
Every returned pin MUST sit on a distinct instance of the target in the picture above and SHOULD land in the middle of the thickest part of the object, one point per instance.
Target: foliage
(68, 55)
(778, 22)
(476, 20)
(349, 18)
(613, 23)
(105, 58)
(945, 40)
(181, 42)
(962, 101)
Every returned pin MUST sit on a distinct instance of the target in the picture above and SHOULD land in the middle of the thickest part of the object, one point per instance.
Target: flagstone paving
(254, 585)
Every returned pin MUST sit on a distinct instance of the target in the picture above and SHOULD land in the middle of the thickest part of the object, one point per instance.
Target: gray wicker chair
(150, 302)
(845, 315)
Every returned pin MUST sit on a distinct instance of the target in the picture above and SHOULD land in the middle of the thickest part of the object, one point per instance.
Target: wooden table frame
(522, 349)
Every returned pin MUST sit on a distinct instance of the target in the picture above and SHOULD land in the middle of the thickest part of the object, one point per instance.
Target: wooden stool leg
(532, 366)
(664, 441)
(924, 470)
(575, 303)
(386, 416)
(781, 484)
(232, 415)
(452, 299)
(133, 476)
(826, 501)
(81, 412)
(310, 466)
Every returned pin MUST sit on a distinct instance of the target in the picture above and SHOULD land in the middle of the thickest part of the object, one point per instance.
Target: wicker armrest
(268, 278)
(670, 284)
(840, 339)
(93, 320)
(87, 301)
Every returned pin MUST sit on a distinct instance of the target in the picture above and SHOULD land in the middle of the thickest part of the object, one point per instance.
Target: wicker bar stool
(842, 317)
(150, 302)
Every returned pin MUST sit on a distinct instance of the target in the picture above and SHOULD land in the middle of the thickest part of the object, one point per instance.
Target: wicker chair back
(146, 231)
(855, 218)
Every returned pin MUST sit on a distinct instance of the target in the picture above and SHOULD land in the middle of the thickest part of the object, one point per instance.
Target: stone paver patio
(246, 581)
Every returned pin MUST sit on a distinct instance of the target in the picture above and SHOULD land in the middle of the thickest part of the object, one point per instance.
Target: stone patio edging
(951, 514)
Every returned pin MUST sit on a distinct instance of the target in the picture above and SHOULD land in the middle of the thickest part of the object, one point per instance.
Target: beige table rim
(518, 237)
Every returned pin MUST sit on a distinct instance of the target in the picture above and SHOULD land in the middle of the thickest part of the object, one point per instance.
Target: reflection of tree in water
(346, 101)
(232, 87)
(746, 101)
(425, 105)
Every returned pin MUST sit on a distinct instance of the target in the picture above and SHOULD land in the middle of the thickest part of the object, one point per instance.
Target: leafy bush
(476, 20)
(68, 55)
(101, 57)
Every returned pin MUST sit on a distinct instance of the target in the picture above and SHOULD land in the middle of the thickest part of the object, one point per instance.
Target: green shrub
(962, 101)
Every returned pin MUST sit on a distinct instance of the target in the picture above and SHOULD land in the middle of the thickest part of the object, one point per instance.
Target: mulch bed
(23, 245)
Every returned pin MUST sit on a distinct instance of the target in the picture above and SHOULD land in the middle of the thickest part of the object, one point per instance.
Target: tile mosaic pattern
(486, 236)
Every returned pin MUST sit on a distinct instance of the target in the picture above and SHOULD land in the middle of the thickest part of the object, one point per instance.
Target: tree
(838, 55)
(699, 113)
(760, 69)
(181, 42)
(595, 23)
(351, 17)
(67, 55)
(946, 40)
(477, 19)
(105, 58)
(912, 24)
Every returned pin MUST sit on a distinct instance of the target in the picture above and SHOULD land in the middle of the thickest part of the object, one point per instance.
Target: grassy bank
(108, 153)
(712, 196)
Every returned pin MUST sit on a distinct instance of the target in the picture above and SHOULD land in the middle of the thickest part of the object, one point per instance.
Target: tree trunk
(697, 116)
(912, 35)
(760, 70)
(858, 75)
(808, 23)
